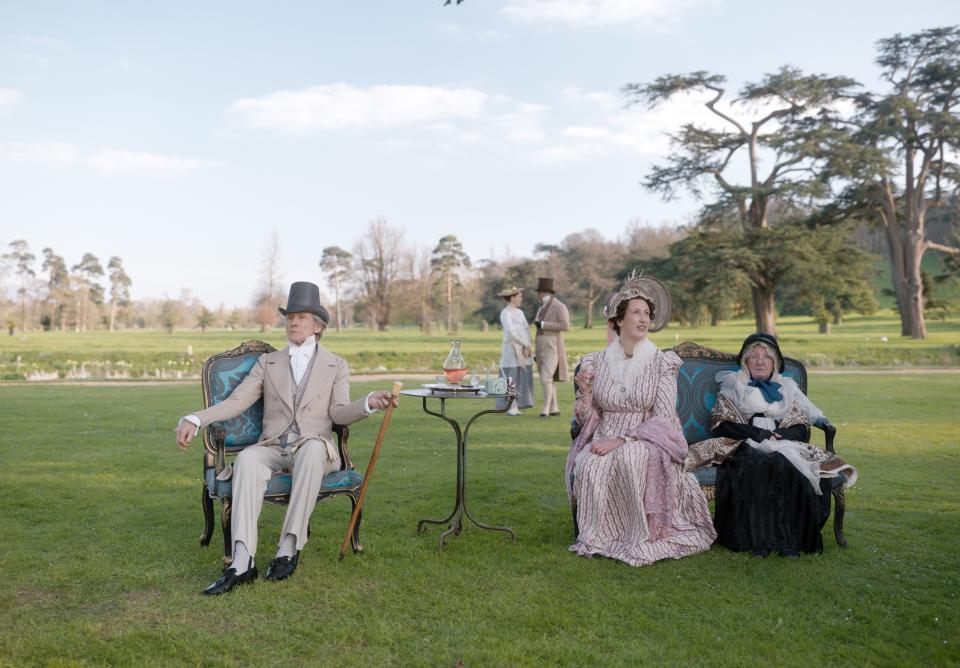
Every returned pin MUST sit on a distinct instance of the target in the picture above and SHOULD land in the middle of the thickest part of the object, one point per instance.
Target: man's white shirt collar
(300, 356)
(306, 348)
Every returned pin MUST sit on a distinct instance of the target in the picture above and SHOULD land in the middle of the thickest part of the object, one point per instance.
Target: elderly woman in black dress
(773, 489)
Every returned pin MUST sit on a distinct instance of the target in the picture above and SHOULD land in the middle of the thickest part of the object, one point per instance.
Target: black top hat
(304, 297)
(766, 339)
(545, 284)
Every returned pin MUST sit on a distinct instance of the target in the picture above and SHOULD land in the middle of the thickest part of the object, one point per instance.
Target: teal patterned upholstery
(697, 390)
(225, 374)
(279, 485)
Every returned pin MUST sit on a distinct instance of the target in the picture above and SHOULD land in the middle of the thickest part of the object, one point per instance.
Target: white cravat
(543, 306)
(300, 357)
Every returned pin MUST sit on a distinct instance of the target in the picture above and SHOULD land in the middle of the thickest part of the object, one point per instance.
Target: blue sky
(179, 135)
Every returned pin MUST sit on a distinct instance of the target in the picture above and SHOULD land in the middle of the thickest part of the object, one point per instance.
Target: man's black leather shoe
(229, 580)
(283, 567)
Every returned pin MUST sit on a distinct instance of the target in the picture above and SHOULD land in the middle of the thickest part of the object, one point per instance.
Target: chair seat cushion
(706, 475)
(280, 483)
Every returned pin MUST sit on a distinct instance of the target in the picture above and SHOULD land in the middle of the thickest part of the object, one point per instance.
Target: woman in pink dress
(625, 473)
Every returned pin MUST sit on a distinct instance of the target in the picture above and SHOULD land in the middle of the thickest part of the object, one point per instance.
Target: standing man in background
(552, 320)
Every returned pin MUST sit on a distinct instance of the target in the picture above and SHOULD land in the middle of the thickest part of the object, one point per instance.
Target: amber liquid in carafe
(455, 376)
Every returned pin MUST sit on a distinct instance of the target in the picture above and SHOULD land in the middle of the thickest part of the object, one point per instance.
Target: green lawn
(860, 341)
(101, 563)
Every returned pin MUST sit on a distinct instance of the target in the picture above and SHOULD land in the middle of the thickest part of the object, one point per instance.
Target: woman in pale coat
(516, 362)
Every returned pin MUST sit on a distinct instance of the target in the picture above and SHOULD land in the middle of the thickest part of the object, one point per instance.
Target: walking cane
(394, 394)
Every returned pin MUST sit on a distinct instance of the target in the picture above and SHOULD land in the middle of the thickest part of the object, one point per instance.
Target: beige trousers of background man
(253, 469)
(548, 359)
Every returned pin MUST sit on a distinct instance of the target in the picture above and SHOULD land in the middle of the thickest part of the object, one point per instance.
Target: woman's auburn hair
(622, 312)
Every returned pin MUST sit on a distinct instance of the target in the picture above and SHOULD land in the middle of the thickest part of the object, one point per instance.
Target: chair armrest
(829, 432)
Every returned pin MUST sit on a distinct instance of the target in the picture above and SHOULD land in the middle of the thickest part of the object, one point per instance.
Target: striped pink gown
(612, 490)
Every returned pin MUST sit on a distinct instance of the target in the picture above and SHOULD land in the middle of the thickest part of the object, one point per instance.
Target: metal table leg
(460, 507)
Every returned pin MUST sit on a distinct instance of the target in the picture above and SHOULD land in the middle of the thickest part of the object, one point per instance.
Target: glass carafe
(454, 368)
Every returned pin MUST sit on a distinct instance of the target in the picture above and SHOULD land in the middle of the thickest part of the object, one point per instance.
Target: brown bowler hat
(545, 284)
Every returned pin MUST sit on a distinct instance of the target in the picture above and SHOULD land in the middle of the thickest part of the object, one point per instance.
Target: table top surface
(450, 394)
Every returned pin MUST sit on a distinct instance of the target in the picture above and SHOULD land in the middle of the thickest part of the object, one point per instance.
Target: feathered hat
(647, 287)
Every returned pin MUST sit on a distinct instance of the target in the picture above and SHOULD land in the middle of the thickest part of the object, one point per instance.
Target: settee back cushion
(697, 390)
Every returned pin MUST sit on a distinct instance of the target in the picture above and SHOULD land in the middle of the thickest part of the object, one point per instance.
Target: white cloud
(598, 122)
(451, 29)
(116, 161)
(10, 97)
(458, 31)
(646, 129)
(605, 127)
(398, 144)
(41, 41)
(521, 124)
(578, 13)
(576, 94)
(40, 153)
(339, 106)
(635, 129)
(562, 153)
(587, 133)
(455, 133)
(113, 161)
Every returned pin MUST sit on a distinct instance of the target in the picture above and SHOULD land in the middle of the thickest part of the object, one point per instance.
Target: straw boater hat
(304, 297)
(509, 292)
(647, 287)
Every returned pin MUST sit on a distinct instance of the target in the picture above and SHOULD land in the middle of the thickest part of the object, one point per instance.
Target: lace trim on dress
(625, 371)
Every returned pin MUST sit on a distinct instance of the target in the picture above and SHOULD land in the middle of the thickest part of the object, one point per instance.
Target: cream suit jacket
(326, 398)
(551, 350)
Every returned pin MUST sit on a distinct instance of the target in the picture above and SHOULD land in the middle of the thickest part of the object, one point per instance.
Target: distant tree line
(386, 282)
(45, 292)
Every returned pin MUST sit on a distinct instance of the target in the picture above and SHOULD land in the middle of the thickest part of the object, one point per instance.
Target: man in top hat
(552, 320)
(305, 390)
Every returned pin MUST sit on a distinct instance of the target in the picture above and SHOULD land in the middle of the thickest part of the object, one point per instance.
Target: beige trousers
(251, 472)
(549, 397)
